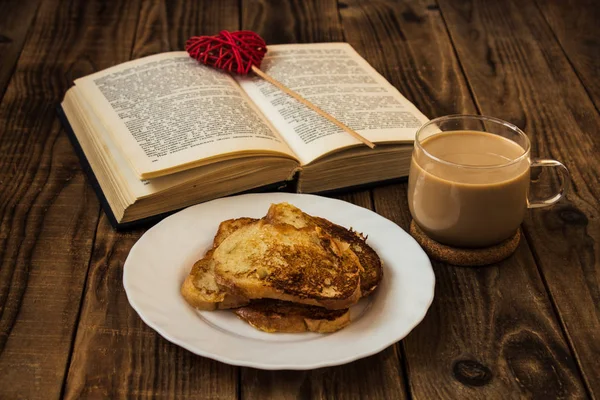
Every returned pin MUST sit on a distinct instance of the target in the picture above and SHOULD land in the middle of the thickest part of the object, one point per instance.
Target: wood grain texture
(351, 381)
(575, 24)
(110, 334)
(16, 17)
(166, 25)
(117, 356)
(292, 21)
(484, 337)
(518, 72)
(508, 331)
(48, 213)
(376, 377)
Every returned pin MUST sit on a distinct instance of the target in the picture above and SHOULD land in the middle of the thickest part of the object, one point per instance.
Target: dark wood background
(528, 327)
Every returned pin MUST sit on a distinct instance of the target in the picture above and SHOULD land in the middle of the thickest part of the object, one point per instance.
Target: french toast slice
(273, 315)
(279, 261)
(371, 272)
(201, 291)
(282, 316)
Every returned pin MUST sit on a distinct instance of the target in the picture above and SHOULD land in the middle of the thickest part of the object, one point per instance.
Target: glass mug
(469, 180)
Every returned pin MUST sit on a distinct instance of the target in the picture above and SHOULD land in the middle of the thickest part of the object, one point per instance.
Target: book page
(335, 78)
(120, 171)
(169, 113)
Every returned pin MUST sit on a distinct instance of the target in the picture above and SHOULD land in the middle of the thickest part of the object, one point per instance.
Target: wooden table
(528, 327)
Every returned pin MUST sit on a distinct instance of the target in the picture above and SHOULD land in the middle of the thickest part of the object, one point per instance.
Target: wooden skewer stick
(310, 105)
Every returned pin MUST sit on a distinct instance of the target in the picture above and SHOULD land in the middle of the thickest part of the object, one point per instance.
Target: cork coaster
(462, 256)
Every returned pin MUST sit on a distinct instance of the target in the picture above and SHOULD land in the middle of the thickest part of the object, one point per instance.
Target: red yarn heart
(230, 51)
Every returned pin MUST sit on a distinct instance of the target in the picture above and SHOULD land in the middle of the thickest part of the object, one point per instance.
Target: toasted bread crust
(229, 226)
(194, 297)
(281, 316)
(372, 271)
(200, 289)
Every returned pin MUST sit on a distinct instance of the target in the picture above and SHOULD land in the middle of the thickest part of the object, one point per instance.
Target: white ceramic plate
(161, 259)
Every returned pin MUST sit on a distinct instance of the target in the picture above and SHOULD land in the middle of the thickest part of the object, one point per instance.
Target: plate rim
(277, 366)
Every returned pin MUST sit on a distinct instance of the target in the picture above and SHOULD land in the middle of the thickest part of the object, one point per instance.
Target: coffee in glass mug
(469, 180)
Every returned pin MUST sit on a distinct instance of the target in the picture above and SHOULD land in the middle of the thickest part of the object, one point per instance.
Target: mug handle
(565, 179)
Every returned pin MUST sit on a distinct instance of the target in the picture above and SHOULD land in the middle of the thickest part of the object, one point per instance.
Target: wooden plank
(575, 24)
(350, 381)
(376, 377)
(48, 213)
(110, 335)
(171, 23)
(293, 21)
(518, 72)
(15, 20)
(491, 332)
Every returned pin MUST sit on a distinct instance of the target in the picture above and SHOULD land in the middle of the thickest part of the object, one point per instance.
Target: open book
(164, 132)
